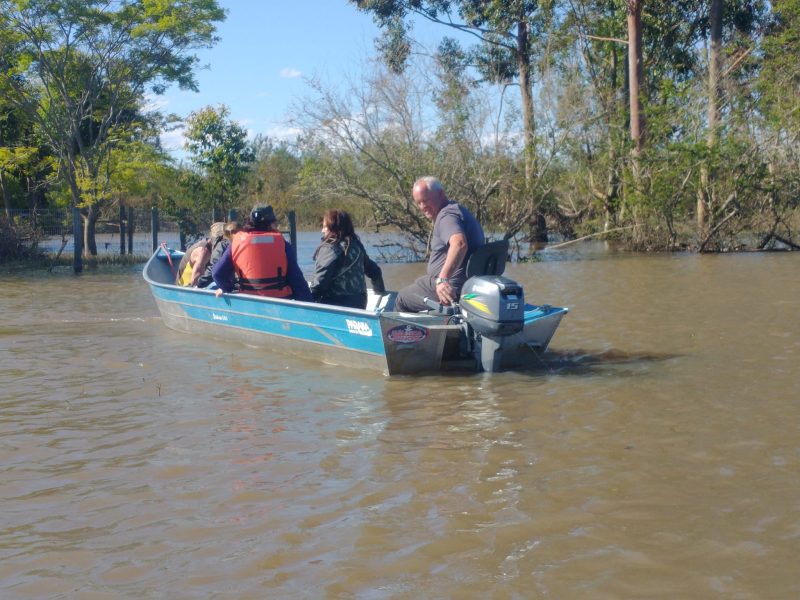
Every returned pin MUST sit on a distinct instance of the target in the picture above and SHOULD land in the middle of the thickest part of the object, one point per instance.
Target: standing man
(456, 235)
(262, 261)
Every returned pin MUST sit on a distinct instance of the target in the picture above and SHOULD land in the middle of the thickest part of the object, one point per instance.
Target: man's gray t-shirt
(453, 219)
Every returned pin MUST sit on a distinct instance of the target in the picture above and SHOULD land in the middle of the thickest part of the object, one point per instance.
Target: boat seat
(380, 302)
(489, 259)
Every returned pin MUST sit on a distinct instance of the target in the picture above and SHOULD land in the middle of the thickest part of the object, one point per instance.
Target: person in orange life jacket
(196, 258)
(263, 262)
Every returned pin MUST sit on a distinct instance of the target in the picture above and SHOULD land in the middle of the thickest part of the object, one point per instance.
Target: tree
(507, 32)
(80, 71)
(26, 168)
(777, 87)
(634, 14)
(274, 177)
(779, 80)
(714, 59)
(366, 142)
(221, 153)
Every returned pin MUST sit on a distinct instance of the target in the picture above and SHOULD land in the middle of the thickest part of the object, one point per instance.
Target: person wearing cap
(262, 261)
(456, 235)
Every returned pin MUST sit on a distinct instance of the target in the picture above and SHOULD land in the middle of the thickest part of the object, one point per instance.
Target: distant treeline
(665, 125)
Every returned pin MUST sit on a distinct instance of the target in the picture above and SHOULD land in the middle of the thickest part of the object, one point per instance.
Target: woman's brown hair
(339, 224)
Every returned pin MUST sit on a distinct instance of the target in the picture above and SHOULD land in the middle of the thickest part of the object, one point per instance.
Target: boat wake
(588, 362)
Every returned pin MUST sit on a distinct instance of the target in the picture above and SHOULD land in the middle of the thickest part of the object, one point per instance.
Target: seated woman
(221, 238)
(341, 264)
(194, 261)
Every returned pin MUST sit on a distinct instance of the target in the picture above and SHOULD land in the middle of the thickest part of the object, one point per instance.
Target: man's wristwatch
(442, 280)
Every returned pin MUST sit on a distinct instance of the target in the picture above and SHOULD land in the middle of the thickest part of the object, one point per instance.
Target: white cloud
(284, 132)
(172, 140)
(290, 73)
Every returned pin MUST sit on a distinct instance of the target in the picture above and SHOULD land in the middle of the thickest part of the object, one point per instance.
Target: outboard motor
(494, 307)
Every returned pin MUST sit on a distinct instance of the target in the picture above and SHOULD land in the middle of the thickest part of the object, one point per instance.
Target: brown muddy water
(655, 454)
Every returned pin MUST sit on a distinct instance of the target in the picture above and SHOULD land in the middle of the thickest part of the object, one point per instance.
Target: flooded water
(654, 454)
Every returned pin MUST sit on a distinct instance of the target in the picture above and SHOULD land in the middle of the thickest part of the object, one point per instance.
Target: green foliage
(221, 154)
(138, 171)
(79, 72)
(274, 178)
(779, 80)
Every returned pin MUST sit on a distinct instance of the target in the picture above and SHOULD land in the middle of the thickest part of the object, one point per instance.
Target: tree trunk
(538, 225)
(526, 97)
(634, 9)
(704, 195)
(6, 194)
(72, 179)
(89, 227)
(121, 229)
(611, 193)
(90, 215)
(612, 186)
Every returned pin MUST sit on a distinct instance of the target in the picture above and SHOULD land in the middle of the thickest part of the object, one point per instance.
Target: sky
(266, 49)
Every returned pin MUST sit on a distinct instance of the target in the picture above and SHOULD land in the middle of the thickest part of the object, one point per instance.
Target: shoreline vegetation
(656, 126)
(51, 262)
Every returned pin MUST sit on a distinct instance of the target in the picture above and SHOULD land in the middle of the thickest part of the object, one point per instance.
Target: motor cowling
(493, 305)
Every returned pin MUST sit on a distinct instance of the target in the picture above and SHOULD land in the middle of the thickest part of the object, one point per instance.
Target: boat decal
(217, 317)
(359, 327)
(479, 305)
(407, 334)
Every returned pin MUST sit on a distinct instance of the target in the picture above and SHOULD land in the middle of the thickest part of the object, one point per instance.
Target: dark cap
(262, 215)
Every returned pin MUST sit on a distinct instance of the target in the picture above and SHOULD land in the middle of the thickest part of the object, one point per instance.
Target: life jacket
(259, 259)
(185, 276)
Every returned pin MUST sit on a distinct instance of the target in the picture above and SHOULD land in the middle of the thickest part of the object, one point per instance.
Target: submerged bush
(17, 241)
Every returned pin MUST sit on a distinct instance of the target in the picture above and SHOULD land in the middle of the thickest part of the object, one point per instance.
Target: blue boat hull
(378, 339)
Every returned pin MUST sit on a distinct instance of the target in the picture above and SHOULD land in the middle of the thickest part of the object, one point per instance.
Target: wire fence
(53, 230)
(132, 232)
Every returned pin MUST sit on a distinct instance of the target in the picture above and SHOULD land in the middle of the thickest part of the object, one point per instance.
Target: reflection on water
(653, 453)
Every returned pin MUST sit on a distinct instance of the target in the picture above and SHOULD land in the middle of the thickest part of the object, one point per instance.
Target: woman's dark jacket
(340, 268)
(216, 253)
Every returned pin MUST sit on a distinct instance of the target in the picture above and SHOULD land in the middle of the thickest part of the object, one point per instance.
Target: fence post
(293, 229)
(77, 233)
(121, 230)
(154, 226)
(131, 227)
(182, 229)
